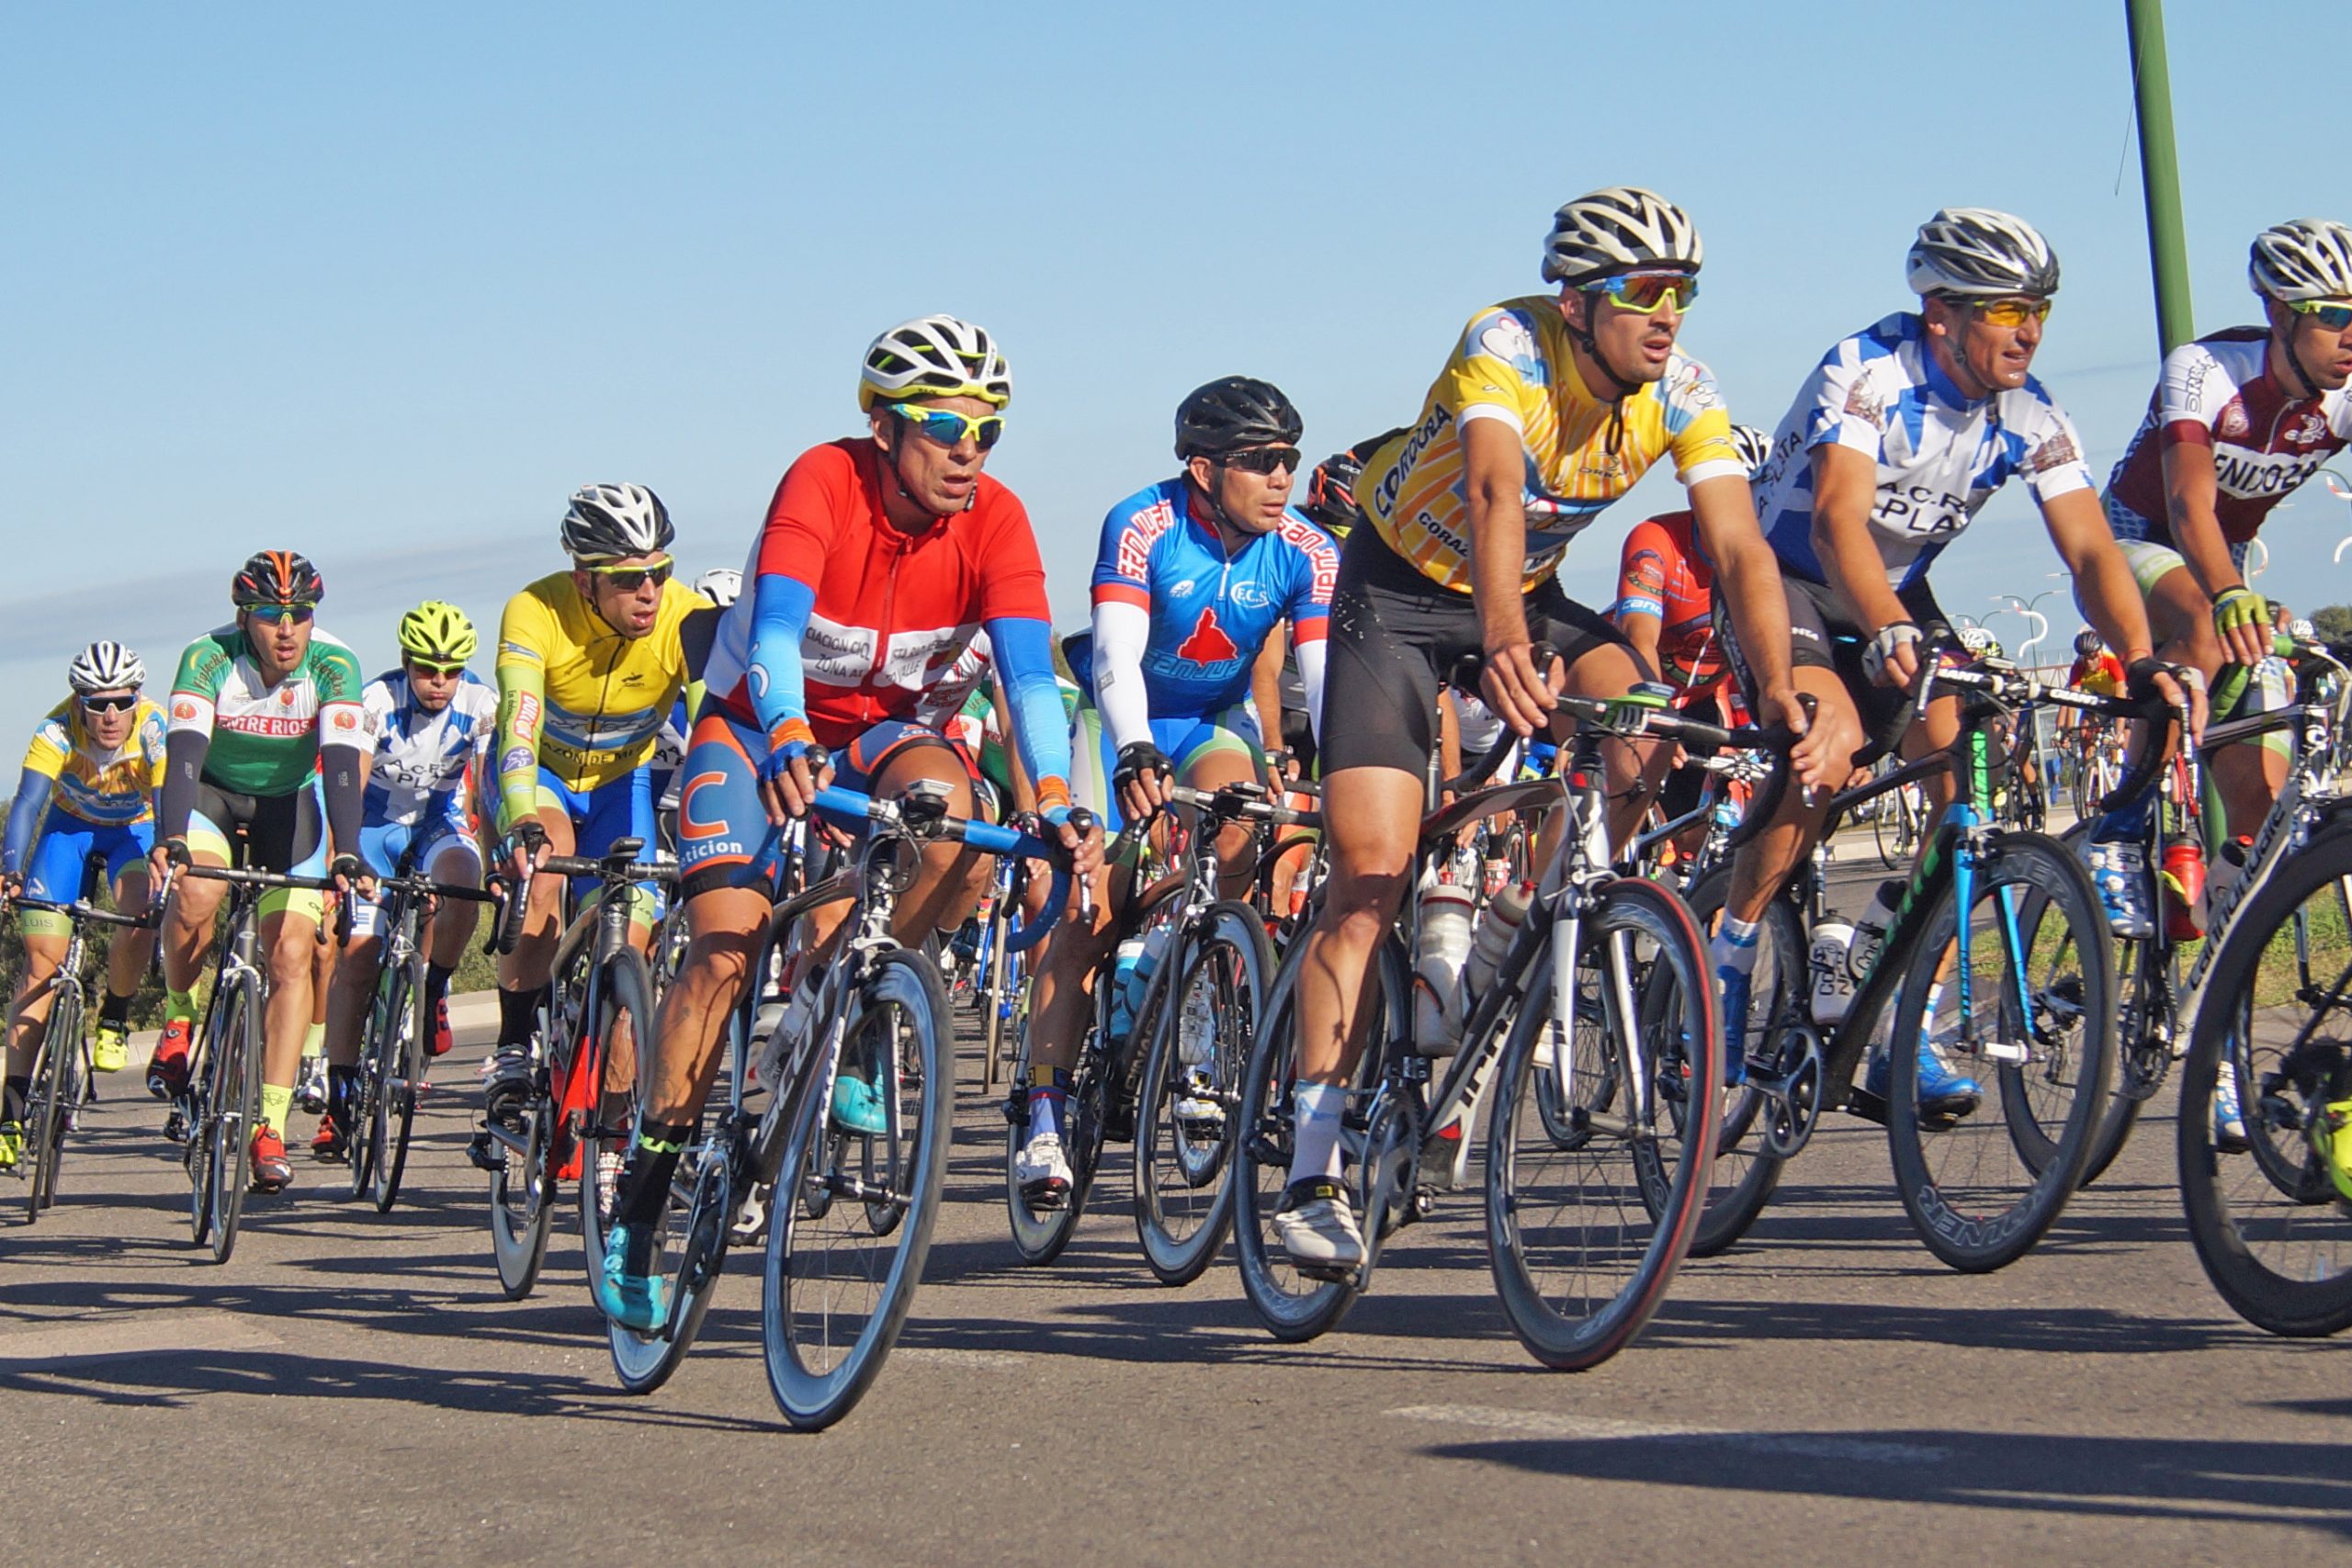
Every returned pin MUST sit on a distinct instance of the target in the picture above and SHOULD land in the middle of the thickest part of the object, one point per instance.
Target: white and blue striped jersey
(1940, 455)
(419, 767)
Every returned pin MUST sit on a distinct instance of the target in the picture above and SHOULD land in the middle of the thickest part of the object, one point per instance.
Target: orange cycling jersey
(1663, 573)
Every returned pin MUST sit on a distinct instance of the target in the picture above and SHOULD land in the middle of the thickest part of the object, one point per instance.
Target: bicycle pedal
(1870, 1106)
(486, 1157)
(1324, 1273)
(175, 1125)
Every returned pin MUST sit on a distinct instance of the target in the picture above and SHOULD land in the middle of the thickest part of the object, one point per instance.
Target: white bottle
(1437, 972)
(1497, 928)
(1833, 975)
(1124, 992)
(1870, 931)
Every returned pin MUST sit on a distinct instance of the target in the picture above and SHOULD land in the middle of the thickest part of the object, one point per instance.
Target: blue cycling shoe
(640, 1302)
(1943, 1093)
(857, 1108)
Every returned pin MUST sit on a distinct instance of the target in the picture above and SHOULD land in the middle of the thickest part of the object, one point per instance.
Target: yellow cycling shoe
(110, 1047)
(12, 1143)
(2333, 1137)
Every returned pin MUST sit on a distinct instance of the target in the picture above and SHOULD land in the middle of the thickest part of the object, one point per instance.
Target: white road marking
(1602, 1428)
(977, 1361)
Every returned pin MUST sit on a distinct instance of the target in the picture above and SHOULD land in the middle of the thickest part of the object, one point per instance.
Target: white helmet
(1613, 229)
(933, 356)
(1975, 250)
(2310, 258)
(2301, 630)
(722, 585)
(617, 520)
(106, 666)
(1755, 446)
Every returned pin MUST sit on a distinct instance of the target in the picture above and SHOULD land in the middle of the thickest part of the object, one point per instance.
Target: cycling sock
(340, 1082)
(437, 981)
(1734, 948)
(645, 1180)
(276, 1099)
(1048, 1100)
(314, 1040)
(12, 1102)
(1316, 1138)
(114, 1010)
(179, 1007)
(515, 1010)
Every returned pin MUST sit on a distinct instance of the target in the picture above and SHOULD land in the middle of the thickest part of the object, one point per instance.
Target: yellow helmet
(437, 634)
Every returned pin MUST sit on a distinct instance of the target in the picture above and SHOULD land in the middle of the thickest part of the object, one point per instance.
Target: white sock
(1734, 948)
(1316, 1137)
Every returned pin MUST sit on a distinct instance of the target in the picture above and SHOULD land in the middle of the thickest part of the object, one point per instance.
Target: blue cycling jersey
(1210, 612)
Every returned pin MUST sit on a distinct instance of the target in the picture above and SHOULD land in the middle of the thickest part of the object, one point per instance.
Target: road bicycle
(848, 1215)
(1168, 1083)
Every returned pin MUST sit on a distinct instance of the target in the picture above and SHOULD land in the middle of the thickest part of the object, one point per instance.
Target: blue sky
(384, 285)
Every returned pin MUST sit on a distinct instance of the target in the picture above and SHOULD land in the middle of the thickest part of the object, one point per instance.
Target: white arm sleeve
(1121, 634)
(1311, 675)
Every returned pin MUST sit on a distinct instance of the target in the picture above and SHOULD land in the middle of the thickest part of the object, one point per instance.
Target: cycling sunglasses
(2331, 314)
(947, 427)
(111, 704)
(1262, 459)
(425, 667)
(1644, 293)
(2013, 312)
(270, 614)
(630, 579)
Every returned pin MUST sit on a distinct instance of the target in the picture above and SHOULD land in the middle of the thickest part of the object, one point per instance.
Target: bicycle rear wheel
(854, 1212)
(400, 1068)
(56, 1093)
(2144, 1024)
(366, 1089)
(2270, 1225)
(1579, 1262)
(1982, 1187)
(1039, 1234)
(522, 1205)
(1184, 1167)
(236, 1096)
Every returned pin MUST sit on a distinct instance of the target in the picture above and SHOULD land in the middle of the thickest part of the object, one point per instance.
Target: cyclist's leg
(381, 845)
(53, 874)
(1209, 752)
(891, 759)
(288, 836)
(1065, 971)
(2249, 775)
(523, 972)
(129, 952)
(186, 935)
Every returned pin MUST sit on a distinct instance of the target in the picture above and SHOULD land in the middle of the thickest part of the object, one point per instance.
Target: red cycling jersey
(893, 610)
(1663, 573)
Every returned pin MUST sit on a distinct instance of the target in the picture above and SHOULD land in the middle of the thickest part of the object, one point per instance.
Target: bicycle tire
(56, 1091)
(1990, 1184)
(236, 1085)
(1039, 1236)
(1746, 1173)
(1886, 829)
(999, 996)
(692, 1250)
(624, 990)
(2277, 1247)
(522, 1206)
(1227, 949)
(367, 1079)
(1295, 1306)
(800, 1324)
(2136, 960)
(1587, 1326)
(400, 1056)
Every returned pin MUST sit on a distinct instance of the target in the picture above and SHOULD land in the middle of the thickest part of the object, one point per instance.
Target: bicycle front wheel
(1184, 1126)
(624, 1031)
(1580, 1262)
(400, 1070)
(56, 1093)
(1746, 1173)
(2272, 1224)
(853, 1210)
(234, 1096)
(1982, 1183)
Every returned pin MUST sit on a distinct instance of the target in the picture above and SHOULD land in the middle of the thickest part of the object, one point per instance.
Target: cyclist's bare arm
(1494, 476)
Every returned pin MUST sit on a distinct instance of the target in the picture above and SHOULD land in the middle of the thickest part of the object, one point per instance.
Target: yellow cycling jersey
(1514, 364)
(577, 698)
(109, 788)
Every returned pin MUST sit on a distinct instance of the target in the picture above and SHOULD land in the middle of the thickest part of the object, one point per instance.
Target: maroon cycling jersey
(2219, 392)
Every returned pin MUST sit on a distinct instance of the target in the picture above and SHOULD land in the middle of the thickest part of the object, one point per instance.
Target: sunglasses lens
(1265, 459)
(989, 431)
(1647, 292)
(109, 705)
(2335, 318)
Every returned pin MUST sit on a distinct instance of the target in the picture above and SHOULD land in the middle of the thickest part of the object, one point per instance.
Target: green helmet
(437, 634)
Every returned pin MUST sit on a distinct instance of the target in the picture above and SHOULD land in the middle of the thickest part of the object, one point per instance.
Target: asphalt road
(351, 1387)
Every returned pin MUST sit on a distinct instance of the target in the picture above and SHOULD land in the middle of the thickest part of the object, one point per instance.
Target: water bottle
(2183, 883)
(1124, 993)
(1870, 931)
(1437, 972)
(1831, 962)
(1496, 929)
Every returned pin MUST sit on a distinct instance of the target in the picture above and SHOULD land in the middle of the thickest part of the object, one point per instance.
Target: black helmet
(1232, 414)
(2086, 642)
(1331, 488)
(277, 577)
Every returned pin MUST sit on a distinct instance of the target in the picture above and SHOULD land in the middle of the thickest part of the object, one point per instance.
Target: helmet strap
(1619, 388)
(2286, 342)
(898, 477)
(1226, 528)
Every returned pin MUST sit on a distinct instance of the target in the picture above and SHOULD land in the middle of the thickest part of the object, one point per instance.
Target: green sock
(276, 1099)
(179, 1006)
(315, 1040)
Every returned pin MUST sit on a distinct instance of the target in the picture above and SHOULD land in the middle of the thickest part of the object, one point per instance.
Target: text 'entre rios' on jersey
(1940, 455)
(1514, 363)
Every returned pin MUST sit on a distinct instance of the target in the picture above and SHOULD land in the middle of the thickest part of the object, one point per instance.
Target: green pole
(2160, 172)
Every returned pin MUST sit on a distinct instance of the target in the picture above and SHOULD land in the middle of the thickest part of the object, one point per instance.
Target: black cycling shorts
(283, 833)
(1395, 635)
(1824, 634)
